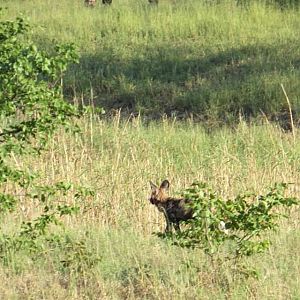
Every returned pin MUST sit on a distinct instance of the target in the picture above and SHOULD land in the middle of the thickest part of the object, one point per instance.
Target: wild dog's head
(159, 194)
(89, 2)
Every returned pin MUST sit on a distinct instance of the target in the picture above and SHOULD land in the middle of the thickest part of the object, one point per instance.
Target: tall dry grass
(225, 54)
(117, 158)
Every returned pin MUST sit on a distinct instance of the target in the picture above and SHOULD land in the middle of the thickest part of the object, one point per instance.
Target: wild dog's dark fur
(93, 2)
(174, 209)
(90, 2)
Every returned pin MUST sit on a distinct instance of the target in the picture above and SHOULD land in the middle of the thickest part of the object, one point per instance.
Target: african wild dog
(90, 2)
(174, 209)
(93, 2)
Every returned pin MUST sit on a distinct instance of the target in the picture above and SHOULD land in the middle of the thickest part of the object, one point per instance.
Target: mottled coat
(175, 210)
(93, 2)
(90, 2)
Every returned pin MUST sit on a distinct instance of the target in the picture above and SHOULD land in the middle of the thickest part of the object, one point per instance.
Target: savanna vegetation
(214, 59)
(74, 215)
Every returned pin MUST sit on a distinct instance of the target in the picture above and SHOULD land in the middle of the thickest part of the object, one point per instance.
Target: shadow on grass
(180, 80)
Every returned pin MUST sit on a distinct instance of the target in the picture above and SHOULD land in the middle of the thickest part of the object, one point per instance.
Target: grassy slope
(118, 159)
(181, 56)
(157, 60)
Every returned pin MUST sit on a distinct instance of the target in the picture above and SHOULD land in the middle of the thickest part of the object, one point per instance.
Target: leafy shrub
(31, 110)
(238, 224)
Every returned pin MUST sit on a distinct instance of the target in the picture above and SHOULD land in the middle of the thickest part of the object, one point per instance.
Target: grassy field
(116, 256)
(180, 57)
(216, 61)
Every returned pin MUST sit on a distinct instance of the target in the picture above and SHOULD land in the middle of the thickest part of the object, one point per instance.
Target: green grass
(183, 56)
(119, 257)
(214, 61)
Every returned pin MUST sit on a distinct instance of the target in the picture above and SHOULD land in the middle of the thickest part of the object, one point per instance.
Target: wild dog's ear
(153, 186)
(165, 185)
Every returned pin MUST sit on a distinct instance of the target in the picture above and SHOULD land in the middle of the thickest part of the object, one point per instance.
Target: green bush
(31, 110)
(237, 224)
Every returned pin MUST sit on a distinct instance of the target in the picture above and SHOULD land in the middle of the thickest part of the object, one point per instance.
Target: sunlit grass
(117, 158)
(212, 60)
(178, 57)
